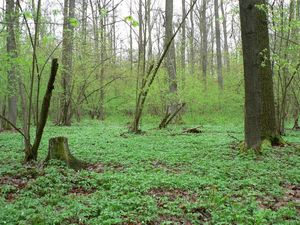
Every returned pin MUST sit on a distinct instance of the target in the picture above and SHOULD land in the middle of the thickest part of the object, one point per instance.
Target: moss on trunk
(59, 150)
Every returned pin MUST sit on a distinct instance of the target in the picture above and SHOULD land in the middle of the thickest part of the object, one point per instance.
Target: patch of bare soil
(96, 167)
(202, 213)
(75, 190)
(172, 194)
(162, 165)
(101, 167)
(73, 220)
(292, 195)
(19, 182)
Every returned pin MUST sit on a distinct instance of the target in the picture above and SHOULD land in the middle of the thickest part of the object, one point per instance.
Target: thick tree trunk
(260, 121)
(269, 130)
(253, 103)
(12, 70)
(218, 42)
(59, 150)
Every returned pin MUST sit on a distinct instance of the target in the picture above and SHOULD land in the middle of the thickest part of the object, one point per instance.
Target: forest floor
(160, 177)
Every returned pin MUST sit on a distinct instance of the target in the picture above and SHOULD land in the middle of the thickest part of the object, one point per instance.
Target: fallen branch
(169, 116)
(193, 130)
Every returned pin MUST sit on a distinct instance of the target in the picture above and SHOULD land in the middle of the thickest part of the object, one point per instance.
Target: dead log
(59, 150)
(194, 130)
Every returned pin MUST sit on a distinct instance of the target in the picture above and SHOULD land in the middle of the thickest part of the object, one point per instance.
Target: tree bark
(31, 153)
(11, 46)
(192, 36)
(59, 150)
(204, 45)
(253, 103)
(183, 39)
(218, 42)
(226, 48)
(260, 121)
(67, 62)
(170, 57)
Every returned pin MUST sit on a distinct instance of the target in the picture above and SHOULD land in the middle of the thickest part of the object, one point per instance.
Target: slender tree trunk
(204, 45)
(170, 58)
(101, 115)
(218, 42)
(149, 25)
(183, 40)
(192, 33)
(12, 70)
(212, 41)
(67, 62)
(131, 41)
(226, 48)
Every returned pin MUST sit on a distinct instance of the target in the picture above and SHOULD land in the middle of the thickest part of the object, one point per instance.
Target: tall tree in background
(170, 57)
(67, 62)
(224, 24)
(12, 70)
(192, 36)
(260, 121)
(183, 39)
(204, 46)
(218, 42)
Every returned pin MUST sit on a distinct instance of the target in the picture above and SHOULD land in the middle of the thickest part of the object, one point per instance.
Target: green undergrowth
(160, 177)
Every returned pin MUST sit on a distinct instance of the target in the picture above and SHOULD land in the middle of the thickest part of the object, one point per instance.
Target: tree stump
(59, 150)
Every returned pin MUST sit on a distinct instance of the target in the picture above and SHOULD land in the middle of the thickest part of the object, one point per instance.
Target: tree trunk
(31, 153)
(226, 48)
(183, 40)
(260, 121)
(269, 130)
(192, 36)
(131, 41)
(67, 62)
(204, 45)
(1, 113)
(170, 57)
(253, 104)
(218, 42)
(150, 26)
(59, 150)
(102, 56)
(212, 41)
(11, 46)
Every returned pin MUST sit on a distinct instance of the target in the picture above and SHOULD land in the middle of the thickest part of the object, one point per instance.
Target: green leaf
(132, 21)
(27, 14)
(74, 22)
(135, 23)
(103, 12)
